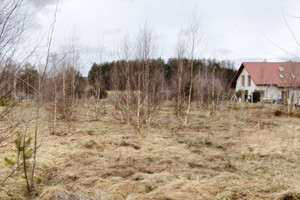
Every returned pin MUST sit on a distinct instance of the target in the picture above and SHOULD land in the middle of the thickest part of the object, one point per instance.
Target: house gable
(245, 82)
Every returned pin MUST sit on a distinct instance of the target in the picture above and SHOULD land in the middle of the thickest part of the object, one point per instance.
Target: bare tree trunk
(190, 93)
(179, 99)
(147, 98)
(213, 92)
(64, 89)
(139, 104)
(38, 105)
(100, 83)
(24, 164)
(128, 88)
(87, 106)
(55, 99)
(99, 91)
(15, 85)
(73, 71)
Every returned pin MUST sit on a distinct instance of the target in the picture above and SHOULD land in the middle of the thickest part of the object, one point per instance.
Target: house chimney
(281, 68)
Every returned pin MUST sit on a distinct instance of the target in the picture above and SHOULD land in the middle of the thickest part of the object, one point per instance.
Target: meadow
(249, 151)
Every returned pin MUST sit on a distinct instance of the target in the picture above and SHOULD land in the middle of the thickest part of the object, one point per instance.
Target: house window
(293, 76)
(249, 80)
(281, 76)
(243, 80)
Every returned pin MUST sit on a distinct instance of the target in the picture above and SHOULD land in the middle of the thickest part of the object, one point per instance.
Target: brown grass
(240, 152)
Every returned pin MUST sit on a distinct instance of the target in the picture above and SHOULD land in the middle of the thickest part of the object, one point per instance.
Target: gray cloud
(41, 3)
(224, 51)
(112, 32)
(232, 29)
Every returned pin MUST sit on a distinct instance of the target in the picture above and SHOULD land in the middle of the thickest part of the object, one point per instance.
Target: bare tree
(97, 105)
(14, 23)
(43, 71)
(144, 47)
(180, 51)
(194, 31)
(74, 55)
(126, 54)
(51, 92)
(143, 79)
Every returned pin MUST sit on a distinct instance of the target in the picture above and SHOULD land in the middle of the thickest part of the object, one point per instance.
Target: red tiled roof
(281, 74)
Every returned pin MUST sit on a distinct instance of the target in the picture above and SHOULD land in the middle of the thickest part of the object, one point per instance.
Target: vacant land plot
(240, 152)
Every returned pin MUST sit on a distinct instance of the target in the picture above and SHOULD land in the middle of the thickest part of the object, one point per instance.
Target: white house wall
(294, 95)
(271, 92)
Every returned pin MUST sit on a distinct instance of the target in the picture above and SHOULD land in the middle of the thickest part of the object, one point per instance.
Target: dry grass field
(240, 152)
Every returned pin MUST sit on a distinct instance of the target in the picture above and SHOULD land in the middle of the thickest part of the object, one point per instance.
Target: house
(268, 81)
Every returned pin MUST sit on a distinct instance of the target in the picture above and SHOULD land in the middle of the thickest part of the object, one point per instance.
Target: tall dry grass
(240, 152)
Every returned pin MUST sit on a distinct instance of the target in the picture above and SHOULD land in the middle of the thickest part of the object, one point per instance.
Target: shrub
(89, 144)
(4, 101)
(278, 113)
(103, 92)
(289, 196)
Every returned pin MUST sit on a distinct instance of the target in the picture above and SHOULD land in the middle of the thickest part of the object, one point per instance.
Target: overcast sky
(240, 30)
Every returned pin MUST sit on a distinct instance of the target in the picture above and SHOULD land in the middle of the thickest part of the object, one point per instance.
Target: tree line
(224, 72)
(103, 75)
